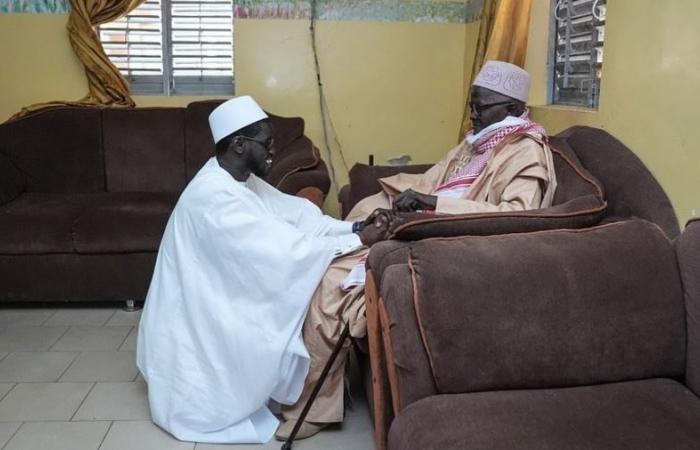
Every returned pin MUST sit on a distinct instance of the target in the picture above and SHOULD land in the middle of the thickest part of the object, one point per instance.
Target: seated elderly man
(239, 261)
(503, 164)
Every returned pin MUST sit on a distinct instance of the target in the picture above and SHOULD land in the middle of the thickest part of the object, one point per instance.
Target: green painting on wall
(433, 11)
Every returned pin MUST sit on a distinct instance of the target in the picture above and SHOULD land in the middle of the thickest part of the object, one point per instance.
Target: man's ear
(236, 145)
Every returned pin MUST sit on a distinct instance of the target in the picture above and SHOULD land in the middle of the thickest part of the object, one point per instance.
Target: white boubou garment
(221, 328)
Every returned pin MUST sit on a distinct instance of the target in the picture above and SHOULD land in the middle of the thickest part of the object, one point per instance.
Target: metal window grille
(578, 51)
(174, 47)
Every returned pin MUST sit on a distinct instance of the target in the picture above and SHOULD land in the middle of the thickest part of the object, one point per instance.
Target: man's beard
(261, 170)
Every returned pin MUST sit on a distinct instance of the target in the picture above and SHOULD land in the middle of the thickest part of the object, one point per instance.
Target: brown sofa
(85, 194)
(576, 339)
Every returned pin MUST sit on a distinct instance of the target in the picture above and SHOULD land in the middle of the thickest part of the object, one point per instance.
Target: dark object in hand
(411, 201)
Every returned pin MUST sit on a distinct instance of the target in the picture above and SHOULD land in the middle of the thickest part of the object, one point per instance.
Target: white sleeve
(346, 243)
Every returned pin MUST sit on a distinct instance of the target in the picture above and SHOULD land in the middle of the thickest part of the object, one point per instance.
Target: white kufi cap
(234, 114)
(504, 78)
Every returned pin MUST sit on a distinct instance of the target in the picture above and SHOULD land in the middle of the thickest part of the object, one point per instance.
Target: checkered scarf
(480, 152)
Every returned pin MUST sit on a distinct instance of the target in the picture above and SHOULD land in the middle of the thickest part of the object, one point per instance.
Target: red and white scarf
(477, 154)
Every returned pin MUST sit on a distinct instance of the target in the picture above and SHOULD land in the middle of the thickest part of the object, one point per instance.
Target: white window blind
(174, 47)
(578, 51)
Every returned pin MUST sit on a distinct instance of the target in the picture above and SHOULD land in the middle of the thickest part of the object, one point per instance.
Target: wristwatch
(358, 226)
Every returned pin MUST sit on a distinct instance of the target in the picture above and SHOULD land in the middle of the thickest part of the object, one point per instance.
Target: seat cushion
(39, 223)
(123, 222)
(649, 414)
(117, 222)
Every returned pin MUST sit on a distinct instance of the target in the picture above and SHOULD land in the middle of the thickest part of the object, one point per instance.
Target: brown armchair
(577, 339)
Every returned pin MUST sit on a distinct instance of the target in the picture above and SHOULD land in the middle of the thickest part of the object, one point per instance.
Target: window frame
(169, 85)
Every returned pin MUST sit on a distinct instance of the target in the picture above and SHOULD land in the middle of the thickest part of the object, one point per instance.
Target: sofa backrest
(144, 149)
(58, 150)
(549, 309)
(631, 189)
(688, 249)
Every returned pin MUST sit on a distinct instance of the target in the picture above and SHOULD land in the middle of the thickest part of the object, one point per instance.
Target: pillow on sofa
(12, 180)
(578, 203)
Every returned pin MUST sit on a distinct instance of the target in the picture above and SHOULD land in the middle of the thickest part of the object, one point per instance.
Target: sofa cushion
(123, 222)
(649, 414)
(144, 149)
(551, 308)
(579, 202)
(39, 223)
(12, 180)
(299, 155)
(59, 150)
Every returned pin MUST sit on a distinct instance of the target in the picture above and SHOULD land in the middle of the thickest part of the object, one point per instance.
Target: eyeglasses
(267, 144)
(479, 109)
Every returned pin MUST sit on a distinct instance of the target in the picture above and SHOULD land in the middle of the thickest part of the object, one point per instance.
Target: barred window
(577, 51)
(174, 47)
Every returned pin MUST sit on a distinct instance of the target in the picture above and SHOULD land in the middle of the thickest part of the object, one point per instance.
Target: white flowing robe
(220, 332)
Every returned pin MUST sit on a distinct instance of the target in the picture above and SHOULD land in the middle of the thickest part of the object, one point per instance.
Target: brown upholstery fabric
(415, 380)
(144, 149)
(199, 142)
(12, 180)
(688, 249)
(76, 278)
(363, 180)
(578, 203)
(123, 222)
(295, 182)
(384, 254)
(553, 308)
(294, 157)
(59, 150)
(632, 191)
(39, 224)
(652, 414)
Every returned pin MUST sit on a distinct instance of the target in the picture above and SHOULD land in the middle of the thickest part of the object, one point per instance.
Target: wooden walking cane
(324, 374)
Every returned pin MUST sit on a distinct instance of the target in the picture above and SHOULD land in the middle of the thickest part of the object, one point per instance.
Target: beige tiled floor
(68, 380)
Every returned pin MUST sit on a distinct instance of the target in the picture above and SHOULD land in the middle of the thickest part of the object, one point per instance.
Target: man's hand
(377, 226)
(411, 201)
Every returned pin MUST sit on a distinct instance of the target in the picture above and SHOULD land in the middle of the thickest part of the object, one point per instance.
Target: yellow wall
(392, 87)
(650, 84)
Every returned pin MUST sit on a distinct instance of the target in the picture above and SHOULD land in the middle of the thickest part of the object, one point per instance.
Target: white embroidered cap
(504, 78)
(234, 114)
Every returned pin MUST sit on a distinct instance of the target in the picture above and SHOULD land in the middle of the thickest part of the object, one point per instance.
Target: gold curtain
(107, 87)
(503, 36)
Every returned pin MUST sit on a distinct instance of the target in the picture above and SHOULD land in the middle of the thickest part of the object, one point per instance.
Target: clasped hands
(378, 226)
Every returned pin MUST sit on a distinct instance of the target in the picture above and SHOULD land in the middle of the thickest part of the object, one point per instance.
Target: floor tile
(42, 401)
(5, 388)
(102, 366)
(30, 338)
(7, 430)
(35, 366)
(81, 316)
(24, 316)
(141, 435)
(130, 342)
(59, 436)
(115, 401)
(122, 317)
(92, 338)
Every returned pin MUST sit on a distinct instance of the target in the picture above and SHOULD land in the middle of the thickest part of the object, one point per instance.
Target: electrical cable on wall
(325, 116)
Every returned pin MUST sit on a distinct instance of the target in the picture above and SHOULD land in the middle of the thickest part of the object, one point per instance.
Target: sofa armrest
(535, 310)
(688, 250)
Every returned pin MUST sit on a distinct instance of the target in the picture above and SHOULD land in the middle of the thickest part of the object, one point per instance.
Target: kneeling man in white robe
(239, 261)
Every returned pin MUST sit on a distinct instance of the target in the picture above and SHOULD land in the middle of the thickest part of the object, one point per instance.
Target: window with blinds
(577, 51)
(174, 47)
